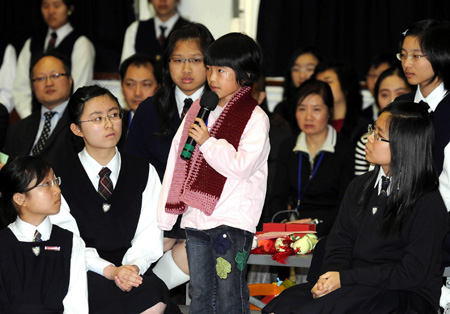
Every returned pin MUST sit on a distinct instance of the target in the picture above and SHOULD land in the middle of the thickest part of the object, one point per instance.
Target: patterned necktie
(52, 42)
(187, 104)
(162, 36)
(37, 236)
(44, 135)
(384, 186)
(105, 186)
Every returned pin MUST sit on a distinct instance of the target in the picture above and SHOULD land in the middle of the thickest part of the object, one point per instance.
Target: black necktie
(187, 104)
(162, 36)
(44, 135)
(52, 42)
(384, 186)
(105, 186)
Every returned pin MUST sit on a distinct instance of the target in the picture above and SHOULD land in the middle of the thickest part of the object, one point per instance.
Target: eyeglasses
(414, 57)
(374, 133)
(113, 117)
(53, 77)
(180, 61)
(48, 184)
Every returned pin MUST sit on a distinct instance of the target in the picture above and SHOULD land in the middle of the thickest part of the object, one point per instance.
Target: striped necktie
(384, 186)
(105, 186)
(187, 104)
(52, 42)
(37, 236)
(44, 135)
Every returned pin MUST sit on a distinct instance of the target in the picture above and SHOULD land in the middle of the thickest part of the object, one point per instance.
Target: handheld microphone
(208, 103)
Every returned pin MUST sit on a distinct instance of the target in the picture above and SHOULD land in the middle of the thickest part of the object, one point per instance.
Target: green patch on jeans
(241, 259)
(223, 268)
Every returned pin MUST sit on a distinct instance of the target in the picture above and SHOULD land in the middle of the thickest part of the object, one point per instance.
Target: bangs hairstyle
(314, 87)
(19, 175)
(432, 36)
(288, 85)
(238, 52)
(411, 138)
(81, 96)
(164, 98)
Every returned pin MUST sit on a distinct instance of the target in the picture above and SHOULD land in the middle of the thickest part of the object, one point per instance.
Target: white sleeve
(83, 57)
(65, 220)
(21, 86)
(444, 178)
(129, 41)
(252, 153)
(147, 244)
(7, 74)
(76, 299)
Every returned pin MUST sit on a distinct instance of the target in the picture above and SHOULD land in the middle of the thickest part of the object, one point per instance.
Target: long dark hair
(393, 71)
(432, 36)
(411, 138)
(164, 98)
(19, 175)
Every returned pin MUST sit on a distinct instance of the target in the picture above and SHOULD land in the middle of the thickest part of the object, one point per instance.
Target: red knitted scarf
(195, 183)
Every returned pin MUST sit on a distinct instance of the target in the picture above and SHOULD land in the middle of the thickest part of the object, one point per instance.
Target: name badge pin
(36, 250)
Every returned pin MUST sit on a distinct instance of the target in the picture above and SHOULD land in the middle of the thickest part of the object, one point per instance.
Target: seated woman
(344, 83)
(313, 168)
(111, 202)
(390, 84)
(384, 253)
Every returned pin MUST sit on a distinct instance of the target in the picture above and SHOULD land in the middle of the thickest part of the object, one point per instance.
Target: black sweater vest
(441, 123)
(65, 47)
(110, 231)
(31, 282)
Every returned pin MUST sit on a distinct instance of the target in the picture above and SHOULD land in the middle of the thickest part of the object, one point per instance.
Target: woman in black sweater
(384, 253)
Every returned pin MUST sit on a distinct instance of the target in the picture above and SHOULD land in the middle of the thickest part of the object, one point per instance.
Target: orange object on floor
(268, 290)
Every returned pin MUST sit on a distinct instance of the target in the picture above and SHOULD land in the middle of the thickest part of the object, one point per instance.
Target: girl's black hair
(397, 71)
(289, 88)
(315, 87)
(238, 52)
(411, 138)
(433, 40)
(164, 98)
(349, 82)
(19, 175)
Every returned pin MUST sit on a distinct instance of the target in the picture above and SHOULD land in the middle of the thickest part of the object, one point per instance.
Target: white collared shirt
(378, 182)
(169, 24)
(54, 121)
(433, 101)
(180, 97)
(61, 33)
(7, 74)
(76, 299)
(147, 244)
(327, 146)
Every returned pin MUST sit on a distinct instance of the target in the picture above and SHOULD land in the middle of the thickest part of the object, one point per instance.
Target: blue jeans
(218, 265)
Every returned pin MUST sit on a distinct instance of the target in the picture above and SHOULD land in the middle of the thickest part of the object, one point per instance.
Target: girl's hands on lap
(327, 283)
(126, 277)
(199, 132)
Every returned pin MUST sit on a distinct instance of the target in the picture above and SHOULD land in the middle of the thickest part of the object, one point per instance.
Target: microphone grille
(209, 100)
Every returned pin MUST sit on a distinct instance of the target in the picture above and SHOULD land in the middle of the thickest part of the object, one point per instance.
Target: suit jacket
(4, 123)
(22, 134)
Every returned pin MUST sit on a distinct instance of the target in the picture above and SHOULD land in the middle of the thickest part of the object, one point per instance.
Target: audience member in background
(139, 80)
(59, 36)
(110, 199)
(390, 84)
(7, 74)
(384, 253)
(344, 84)
(150, 36)
(313, 168)
(301, 67)
(45, 133)
(378, 65)
(157, 120)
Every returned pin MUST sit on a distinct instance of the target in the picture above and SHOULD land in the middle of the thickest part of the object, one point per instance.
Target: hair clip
(405, 32)
(83, 99)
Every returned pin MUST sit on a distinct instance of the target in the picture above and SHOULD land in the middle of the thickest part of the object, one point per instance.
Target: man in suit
(139, 80)
(46, 132)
